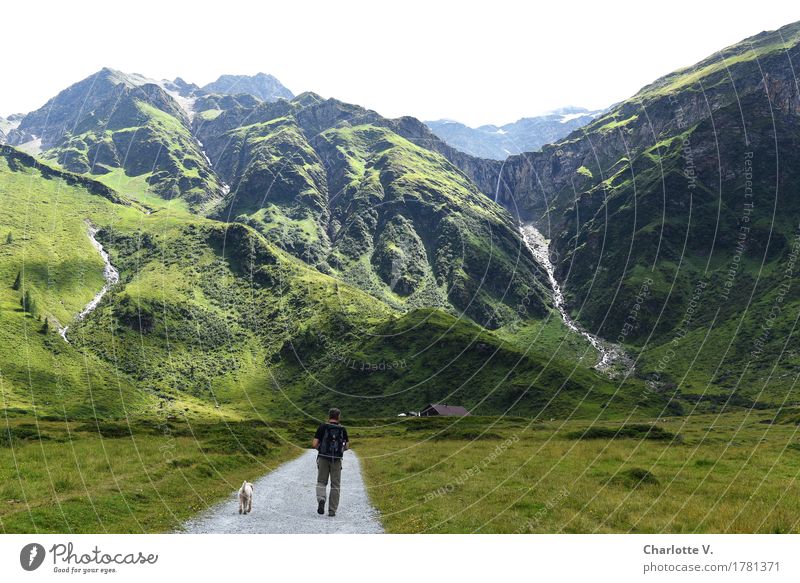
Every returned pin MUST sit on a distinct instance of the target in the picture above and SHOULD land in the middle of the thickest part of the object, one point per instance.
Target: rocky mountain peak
(261, 85)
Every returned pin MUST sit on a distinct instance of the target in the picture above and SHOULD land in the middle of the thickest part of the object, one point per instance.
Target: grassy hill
(322, 255)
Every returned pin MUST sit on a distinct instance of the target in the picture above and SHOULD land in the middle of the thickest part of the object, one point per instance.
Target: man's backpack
(332, 443)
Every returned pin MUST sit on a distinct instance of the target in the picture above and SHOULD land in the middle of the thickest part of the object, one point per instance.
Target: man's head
(334, 414)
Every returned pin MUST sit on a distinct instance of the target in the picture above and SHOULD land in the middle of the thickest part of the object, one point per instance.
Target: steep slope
(341, 188)
(48, 272)
(111, 120)
(210, 319)
(524, 135)
(264, 87)
(679, 206)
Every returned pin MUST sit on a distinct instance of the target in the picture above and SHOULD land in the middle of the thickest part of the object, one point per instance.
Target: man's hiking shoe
(321, 507)
(331, 513)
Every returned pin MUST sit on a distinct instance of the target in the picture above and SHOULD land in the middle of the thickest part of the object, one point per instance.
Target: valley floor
(734, 472)
(722, 474)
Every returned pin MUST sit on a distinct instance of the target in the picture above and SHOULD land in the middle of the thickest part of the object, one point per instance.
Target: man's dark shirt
(321, 432)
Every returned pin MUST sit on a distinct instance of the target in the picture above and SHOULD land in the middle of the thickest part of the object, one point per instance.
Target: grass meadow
(87, 477)
(728, 473)
(710, 473)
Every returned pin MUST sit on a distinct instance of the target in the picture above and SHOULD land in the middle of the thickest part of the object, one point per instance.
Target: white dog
(245, 497)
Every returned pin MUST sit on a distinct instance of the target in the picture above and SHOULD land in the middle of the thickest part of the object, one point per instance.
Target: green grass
(716, 67)
(95, 477)
(616, 124)
(730, 473)
(138, 189)
(62, 272)
(209, 114)
(549, 336)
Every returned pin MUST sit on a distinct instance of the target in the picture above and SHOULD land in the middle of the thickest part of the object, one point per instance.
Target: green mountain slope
(683, 200)
(111, 120)
(341, 188)
(211, 319)
(47, 255)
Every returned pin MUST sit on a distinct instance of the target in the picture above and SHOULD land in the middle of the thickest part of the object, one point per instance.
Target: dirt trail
(284, 502)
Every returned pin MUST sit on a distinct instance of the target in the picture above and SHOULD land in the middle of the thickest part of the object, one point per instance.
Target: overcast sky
(484, 62)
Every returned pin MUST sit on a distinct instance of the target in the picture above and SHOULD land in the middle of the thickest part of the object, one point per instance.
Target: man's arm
(317, 437)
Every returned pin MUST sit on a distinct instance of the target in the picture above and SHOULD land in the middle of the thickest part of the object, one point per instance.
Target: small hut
(433, 410)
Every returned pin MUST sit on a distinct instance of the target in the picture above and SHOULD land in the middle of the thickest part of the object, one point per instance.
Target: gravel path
(284, 502)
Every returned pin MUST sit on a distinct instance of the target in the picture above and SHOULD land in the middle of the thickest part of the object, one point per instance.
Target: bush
(632, 431)
(23, 432)
(105, 429)
(468, 434)
(240, 438)
(634, 477)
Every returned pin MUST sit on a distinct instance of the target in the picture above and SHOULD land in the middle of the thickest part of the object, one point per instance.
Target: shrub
(105, 429)
(28, 304)
(634, 477)
(241, 438)
(23, 432)
(632, 431)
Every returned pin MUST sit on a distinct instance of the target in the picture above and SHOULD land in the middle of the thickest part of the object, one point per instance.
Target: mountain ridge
(261, 85)
(654, 190)
(527, 134)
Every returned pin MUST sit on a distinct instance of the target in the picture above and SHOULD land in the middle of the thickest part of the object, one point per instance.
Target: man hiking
(331, 442)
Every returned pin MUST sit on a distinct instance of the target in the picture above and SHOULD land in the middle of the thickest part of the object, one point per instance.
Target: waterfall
(110, 274)
(609, 354)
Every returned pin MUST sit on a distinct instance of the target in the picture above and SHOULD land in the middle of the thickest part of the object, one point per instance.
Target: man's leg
(336, 482)
(323, 471)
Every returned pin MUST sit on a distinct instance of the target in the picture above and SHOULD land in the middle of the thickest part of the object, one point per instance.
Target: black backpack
(332, 443)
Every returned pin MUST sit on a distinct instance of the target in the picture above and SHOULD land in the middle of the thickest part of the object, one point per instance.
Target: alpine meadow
(581, 322)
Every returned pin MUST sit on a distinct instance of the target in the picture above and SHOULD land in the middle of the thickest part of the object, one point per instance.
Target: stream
(613, 360)
(110, 274)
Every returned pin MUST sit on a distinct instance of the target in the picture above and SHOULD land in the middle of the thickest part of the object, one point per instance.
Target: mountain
(308, 174)
(7, 125)
(525, 135)
(181, 87)
(674, 216)
(113, 121)
(264, 87)
(343, 189)
(328, 234)
(210, 318)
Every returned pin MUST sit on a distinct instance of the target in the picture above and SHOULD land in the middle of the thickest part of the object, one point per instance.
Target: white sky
(483, 62)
